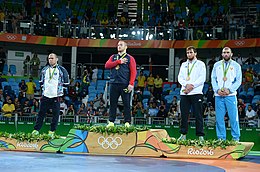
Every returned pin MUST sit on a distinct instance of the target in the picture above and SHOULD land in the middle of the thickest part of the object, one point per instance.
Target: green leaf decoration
(21, 137)
(111, 130)
(223, 144)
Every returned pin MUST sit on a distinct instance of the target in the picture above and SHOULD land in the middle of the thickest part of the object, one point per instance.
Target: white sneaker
(201, 138)
(51, 134)
(35, 132)
(182, 137)
(110, 124)
(127, 125)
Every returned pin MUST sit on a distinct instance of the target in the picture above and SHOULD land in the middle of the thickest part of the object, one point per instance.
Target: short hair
(53, 54)
(227, 48)
(191, 48)
(123, 42)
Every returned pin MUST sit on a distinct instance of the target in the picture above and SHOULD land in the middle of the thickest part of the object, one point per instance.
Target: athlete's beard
(190, 59)
(227, 59)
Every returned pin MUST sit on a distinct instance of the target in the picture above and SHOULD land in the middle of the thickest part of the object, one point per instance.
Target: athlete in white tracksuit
(226, 78)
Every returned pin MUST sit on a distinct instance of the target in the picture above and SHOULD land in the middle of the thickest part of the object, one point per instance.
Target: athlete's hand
(221, 92)
(226, 91)
(130, 88)
(189, 87)
(123, 61)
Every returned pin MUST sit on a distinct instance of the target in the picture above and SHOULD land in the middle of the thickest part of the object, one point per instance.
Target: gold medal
(117, 67)
(224, 78)
(188, 78)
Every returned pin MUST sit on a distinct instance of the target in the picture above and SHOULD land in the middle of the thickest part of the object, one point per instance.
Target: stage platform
(144, 143)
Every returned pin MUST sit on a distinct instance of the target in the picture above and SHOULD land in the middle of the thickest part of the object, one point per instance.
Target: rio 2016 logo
(192, 151)
(109, 142)
(27, 145)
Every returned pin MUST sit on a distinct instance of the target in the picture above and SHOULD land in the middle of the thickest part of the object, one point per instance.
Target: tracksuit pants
(46, 104)
(117, 90)
(195, 102)
(223, 105)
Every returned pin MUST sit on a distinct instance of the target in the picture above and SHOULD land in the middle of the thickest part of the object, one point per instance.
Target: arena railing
(84, 119)
(170, 32)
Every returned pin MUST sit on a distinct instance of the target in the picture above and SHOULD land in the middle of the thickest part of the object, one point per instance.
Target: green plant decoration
(111, 130)
(223, 144)
(21, 136)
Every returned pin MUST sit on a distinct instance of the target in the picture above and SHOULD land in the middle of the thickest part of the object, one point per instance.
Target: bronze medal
(224, 78)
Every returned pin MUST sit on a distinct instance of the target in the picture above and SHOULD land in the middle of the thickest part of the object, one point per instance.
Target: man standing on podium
(226, 78)
(123, 74)
(192, 76)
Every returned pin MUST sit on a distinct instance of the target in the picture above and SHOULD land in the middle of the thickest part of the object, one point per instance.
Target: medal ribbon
(225, 70)
(188, 69)
(121, 56)
(117, 67)
(51, 74)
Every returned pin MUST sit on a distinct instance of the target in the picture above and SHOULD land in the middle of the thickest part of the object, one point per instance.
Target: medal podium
(146, 143)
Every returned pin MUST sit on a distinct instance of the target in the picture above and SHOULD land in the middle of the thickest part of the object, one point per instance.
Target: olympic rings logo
(109, 142)
(11, 37)
(239, 43)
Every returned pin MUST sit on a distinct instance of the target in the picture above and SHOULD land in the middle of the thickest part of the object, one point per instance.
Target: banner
(107, 43)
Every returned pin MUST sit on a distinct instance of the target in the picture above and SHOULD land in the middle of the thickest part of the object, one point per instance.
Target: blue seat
(254, 101)
(168, 99)
(92, 87)
(5, 84)
(146, 94)
(101, 83)
(100, 74)
(145, 103)
(107, 75)
(100, 91)
(11, 80)
(166, 88)
(5, 69)
(242, 95)
(91, 97)
(256, 97)
(38, 86)
(250, 94)
(177, 89)
(250, 89)
(100, 87)
(12, 69)
(93, 84)
(13, 84)
(173, 86)
(146, 73)
(175, 93)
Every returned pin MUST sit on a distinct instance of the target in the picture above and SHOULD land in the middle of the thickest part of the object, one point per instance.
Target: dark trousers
(46, 104)
(115, 91)
(194, 102)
